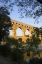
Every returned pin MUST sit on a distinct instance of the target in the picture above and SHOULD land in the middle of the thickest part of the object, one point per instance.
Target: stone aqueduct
(23, 27)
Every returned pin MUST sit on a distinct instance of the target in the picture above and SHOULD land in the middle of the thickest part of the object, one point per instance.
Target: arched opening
(18, 32)
(10, 32)
(27, 33)
(20, 40)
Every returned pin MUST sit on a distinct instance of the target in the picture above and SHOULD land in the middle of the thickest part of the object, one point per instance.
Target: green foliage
(5, 23)
(40, 1)
(35, 61)
(17, 55)
(5, 50)
(27, 8)
(37, 32)
(32, 44)
(12, 41)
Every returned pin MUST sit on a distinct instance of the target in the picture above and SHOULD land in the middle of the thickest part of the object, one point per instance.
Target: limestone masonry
(23, 27)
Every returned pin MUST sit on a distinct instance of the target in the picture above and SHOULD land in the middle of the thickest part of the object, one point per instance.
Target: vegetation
(32, 45)
(16, 53)
(38, 31)
(35, 61)
(27, 8)
(5, 23)
(5, 50)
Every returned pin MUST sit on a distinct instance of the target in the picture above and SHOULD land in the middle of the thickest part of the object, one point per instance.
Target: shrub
(17, 55)
(5, 50)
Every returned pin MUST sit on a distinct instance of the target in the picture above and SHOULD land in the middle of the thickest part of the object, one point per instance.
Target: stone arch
(20, 40)
(19, 31)
(27, 32)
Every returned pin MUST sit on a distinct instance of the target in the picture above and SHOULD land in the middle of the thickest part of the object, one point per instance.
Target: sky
(16, 16)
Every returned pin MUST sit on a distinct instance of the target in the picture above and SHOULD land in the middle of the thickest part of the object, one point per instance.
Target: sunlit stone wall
(21, 30)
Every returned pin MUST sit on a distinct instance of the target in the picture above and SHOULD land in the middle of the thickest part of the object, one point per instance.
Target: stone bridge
(24, 28)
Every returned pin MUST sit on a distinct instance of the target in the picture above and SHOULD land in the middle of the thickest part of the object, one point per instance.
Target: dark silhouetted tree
(32, 44)
(27, 8)
(5, 23)
(40, 1)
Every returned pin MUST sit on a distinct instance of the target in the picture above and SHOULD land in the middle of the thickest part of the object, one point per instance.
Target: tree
(37, 39)
(37, 61)
(16, 43)
(16, 50)
(32, 44)
(5, 50)
(29, 8)
(17, 55)
(38, 32)
(5, 23)
(40, 1)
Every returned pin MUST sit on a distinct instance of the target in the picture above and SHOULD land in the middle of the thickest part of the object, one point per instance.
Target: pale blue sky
(15, 16)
